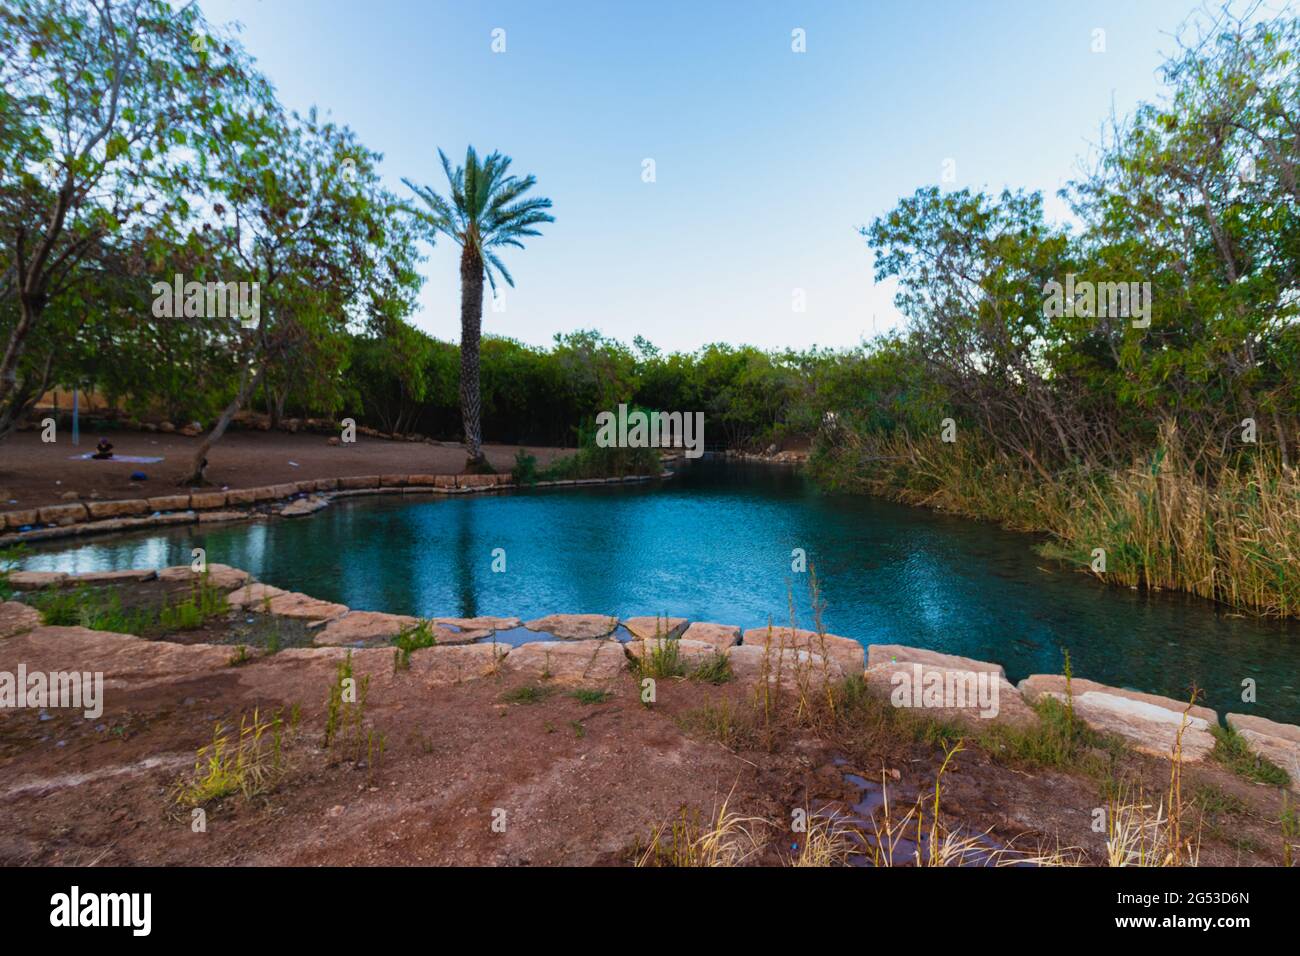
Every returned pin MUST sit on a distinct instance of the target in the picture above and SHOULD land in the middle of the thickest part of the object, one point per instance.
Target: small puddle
(514, 636)
(863, 829)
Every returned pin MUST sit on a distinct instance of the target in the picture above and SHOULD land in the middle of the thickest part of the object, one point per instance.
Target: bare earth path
(33, 474)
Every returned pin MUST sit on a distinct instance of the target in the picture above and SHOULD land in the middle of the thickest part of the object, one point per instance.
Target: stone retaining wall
(76, 518)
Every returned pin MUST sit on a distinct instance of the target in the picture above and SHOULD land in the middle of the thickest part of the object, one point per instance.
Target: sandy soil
(33, 474)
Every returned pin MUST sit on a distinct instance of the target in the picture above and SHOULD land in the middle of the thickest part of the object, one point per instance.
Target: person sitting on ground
(104, 449)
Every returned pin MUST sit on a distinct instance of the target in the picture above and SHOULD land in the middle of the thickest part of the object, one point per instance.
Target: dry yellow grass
(728, 840)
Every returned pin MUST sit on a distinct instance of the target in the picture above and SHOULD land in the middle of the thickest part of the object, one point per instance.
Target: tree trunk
(1281, 440)
(275, 401)
(471, 325)
(29, 313)
(30, 285)
(22, 398)
(199, 467)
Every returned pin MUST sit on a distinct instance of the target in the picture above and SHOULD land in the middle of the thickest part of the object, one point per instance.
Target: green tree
(104, 105)
(1201, 194)
(300, 211)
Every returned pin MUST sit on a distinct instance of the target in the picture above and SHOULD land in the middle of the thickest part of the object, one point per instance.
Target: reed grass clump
(1225, 528)
(247, 763)
(661, 659)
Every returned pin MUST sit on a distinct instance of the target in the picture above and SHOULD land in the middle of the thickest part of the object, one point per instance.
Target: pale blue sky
(767, 160)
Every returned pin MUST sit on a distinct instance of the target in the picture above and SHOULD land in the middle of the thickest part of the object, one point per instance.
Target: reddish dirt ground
(33, 474)
(580, 783)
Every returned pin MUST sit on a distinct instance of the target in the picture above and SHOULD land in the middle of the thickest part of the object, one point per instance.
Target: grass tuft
(248, 764)
(410, 639)
(1233, 751)
(586, 696)
(715, 670)
(528, 694)
(662, 658)
(727, 840)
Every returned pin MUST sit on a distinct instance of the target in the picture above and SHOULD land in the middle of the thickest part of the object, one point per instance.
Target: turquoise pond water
(714, 544)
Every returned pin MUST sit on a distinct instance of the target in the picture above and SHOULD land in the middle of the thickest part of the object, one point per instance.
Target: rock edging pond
(590, 649)
(289, 500)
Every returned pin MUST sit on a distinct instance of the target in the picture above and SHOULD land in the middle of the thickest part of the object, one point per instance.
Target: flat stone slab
(169, 503)
(965, 695)
(124, 659)
(900, 653)
(207, 517)
(484, 623)
(35, 580)
(110, 577)
(466, 635)
(792, 666)
(304, 506)
(569, 662)
(376, 626)
(575, 627)
(649, 628)
(118, 509)
(1280, 743)
(20, 519)
(304, 607)
(363, 626)
(219, 575)
(691, 653)
(848, 653)
(16, 617)
(1149, 722)
(718, 636)
(255, 596)
(455, 664)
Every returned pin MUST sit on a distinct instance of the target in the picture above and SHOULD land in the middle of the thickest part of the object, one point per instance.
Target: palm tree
(484, 212)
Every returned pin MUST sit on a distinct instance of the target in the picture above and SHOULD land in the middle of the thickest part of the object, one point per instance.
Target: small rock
(567, 662)
(15, 618)
(363, 626)
(720, 636)
(1149, 722)
(574, 627)
(1280, 743)
(649, 628)
(304, 506)
(848, 653)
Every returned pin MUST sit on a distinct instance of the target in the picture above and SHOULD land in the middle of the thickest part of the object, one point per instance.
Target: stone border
(77, 518)
(1148, 722)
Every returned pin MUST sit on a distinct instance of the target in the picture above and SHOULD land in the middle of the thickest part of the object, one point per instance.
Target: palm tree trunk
(471, 325)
